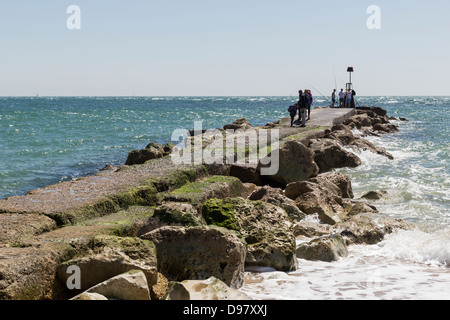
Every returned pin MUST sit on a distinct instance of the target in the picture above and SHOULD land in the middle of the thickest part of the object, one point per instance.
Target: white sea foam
(312, 218)
(368, 272)
(418, 246)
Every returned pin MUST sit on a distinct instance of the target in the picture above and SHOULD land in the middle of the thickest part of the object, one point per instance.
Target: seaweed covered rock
(196, 193)
(276, 197)
(197, 253)
(172, 214)
(266, 228)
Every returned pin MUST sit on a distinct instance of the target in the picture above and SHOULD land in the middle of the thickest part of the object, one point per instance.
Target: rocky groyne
(151, 229)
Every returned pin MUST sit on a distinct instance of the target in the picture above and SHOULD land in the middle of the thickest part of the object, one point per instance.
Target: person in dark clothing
(300, 102)
(352, 103)
(333, 98)
(308, 102)
(302, 107)
(293, 112)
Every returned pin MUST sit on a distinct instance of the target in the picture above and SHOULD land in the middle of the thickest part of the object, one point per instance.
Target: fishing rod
(335, 82)
(319, 93)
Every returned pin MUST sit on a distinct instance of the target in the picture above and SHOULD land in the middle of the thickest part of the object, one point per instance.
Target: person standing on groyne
(348, 99)
(303, 107)
(333, 98)
(308, 102)
(293, 112)
(352, 103)
(341, 98)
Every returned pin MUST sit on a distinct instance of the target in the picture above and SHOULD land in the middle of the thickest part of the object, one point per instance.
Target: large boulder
(328, 155)
(369, 228)
(376, 110)
(28, 273)
(198, 253)
(131, 285)
(266, 228)
(196, 193)
(88, 296)
(311, 229)
(172, 214)
(150, 152)
(359, 206)
(210, 289)
(247, 173)
(296, 189)
(275, 196)
(239, 124)
(143, 155)
(328, 206)
(111, 256)
(341, 133)
(311, 198)
(327, 248)
(375, 195)
(337, 183)
(296, 163)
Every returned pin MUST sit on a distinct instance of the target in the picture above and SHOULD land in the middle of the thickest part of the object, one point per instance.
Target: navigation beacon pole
(349, 85)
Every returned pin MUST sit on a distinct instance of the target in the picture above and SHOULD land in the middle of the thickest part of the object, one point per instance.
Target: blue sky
(223, 47)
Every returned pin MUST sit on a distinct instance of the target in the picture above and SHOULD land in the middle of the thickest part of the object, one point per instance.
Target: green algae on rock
(266, 229)
(196, 193)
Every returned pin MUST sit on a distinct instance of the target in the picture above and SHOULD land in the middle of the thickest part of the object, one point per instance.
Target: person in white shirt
(341, 98)
(348, 99)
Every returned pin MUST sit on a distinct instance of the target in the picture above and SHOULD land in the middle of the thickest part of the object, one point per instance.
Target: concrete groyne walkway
(324, 117)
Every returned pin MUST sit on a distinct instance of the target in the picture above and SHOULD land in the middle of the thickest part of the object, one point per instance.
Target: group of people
(305, 100)
(303, 106)
(346, 99)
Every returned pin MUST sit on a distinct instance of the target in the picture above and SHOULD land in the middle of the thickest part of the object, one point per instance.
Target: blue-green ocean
(46, 140)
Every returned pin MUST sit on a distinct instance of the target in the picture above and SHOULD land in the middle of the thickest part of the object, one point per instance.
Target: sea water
(48, 140)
